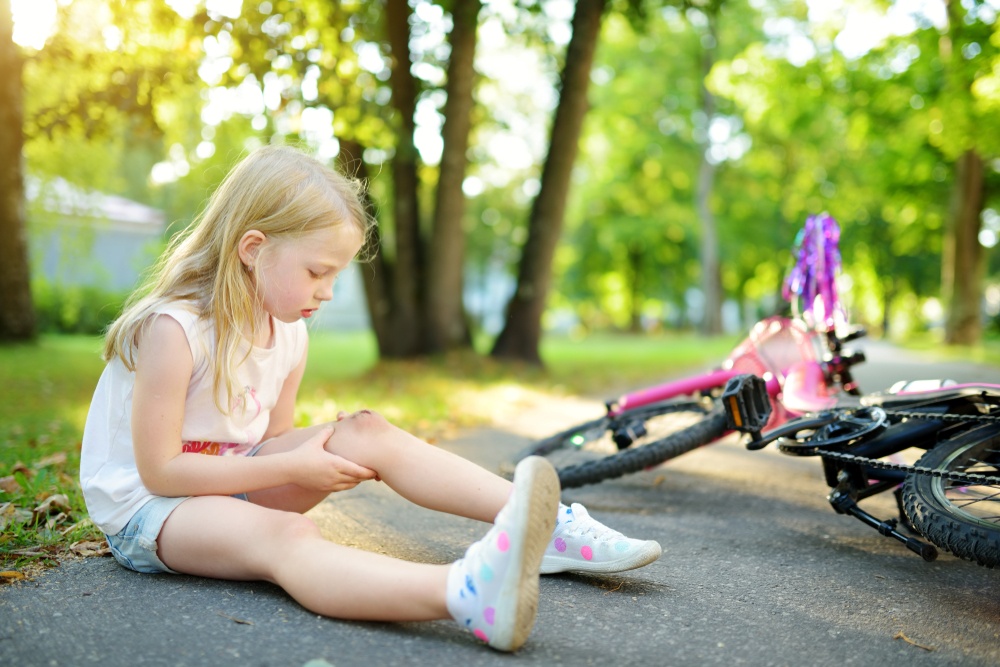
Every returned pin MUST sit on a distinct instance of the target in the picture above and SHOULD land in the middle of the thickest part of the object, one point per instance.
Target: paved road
(755, 572)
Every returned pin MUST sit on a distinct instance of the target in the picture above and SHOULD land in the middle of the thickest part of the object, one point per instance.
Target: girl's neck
(265, 333)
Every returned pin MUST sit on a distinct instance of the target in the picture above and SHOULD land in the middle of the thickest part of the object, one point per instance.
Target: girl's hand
(319, 470)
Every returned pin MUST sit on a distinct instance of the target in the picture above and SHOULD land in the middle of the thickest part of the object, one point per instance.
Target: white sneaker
(581, 543)
(493, 589)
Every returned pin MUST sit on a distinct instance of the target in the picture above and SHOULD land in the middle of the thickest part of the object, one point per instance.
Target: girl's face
(295, 276)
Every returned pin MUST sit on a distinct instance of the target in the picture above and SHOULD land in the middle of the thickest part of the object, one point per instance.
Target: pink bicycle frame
(780, 350)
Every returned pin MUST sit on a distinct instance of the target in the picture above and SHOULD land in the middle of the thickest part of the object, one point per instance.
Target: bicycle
(950, 496)
(789, 383)
(802, 359)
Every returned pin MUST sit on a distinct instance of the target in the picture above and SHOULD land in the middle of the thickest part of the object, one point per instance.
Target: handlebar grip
(854, 334)
(854, 357)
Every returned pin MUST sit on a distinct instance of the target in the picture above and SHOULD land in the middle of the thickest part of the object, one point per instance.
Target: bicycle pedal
(747, 405)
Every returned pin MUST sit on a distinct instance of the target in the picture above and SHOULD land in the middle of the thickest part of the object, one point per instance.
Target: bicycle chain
(965, 477)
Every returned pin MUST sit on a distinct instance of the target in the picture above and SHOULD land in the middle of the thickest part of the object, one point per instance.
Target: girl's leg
(437, 479)
(226, 538)
(422, 473)
(492, 591)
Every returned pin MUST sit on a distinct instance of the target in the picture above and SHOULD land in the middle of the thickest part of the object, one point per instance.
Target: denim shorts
(134, 546)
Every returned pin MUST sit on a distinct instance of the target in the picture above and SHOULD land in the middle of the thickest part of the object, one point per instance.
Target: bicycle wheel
(610, 447)
(961, 518)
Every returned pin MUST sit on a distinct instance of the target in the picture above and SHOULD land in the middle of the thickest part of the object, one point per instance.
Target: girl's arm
(163, 371)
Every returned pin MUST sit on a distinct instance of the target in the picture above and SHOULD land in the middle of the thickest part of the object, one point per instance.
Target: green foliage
(74, 309)
(870, 138)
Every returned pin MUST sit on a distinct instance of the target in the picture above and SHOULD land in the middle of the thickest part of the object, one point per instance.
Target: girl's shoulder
(187, 314)
(197, 328)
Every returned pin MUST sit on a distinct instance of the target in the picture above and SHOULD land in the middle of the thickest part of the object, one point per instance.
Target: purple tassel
(811, 286)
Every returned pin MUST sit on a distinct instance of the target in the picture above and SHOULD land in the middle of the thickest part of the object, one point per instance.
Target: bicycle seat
(804, 389)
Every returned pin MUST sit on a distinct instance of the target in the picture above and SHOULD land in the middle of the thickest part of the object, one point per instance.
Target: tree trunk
(404, 337)
(17, 313)
(962, 261)
(375, 271)
(445, 315)
(521, 334)
(636, 254)
(711, 281)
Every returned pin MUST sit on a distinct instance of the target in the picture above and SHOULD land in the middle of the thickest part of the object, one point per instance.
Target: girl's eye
(314, 274)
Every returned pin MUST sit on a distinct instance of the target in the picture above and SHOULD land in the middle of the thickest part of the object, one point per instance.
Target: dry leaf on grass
(54, 504)
(90, 548)
(9, 484)
(19, 467)
(12, 515)
(57, 459)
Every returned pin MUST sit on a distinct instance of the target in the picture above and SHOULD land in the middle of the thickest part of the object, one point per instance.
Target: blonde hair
(277, 190)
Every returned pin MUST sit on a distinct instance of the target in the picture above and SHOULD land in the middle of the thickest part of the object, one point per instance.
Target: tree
(446, 323)
(964, 48)
(17, 314)
(421, 286)
(521, 335)
(711, 279)
(413, 281)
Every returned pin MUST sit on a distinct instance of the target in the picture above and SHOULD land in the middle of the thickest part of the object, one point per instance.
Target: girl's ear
(249, 247)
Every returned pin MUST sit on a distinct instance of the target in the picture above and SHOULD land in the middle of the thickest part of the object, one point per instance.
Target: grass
(49, 384)
(987, 352)
(43, 405)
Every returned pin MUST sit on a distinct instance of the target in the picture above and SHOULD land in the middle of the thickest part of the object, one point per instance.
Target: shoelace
(585, 527)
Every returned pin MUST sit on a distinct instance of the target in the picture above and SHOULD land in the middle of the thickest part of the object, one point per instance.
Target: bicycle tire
(595, 429)
(595, 438)
(634, 459)
(964, 520)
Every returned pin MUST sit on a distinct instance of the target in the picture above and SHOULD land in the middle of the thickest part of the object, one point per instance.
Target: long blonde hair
(276, 190)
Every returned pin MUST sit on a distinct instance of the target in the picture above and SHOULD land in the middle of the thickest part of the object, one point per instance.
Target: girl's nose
(325, 292)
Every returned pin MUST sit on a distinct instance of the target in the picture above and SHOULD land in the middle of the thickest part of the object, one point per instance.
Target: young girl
(191, 462)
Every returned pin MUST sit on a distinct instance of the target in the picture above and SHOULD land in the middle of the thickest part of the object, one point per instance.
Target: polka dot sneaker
(493, 589)
(580, 543)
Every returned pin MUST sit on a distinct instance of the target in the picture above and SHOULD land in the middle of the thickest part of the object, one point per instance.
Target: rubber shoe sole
(534, 504)
(650, 552)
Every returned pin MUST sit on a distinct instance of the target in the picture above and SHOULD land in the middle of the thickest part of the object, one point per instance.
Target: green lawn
(987, 352)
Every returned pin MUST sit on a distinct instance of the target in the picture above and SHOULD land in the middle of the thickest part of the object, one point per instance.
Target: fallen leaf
(89, 548)
(10, 575)
(79, 524)
(10, 514)
(58, 502)
(59, 458)
(56, 520)
(19, 467)
(9, 484)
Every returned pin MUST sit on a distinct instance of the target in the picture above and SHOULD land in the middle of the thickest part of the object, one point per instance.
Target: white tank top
(110, 480)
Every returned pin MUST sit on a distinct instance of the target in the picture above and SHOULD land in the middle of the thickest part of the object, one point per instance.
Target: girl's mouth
(308, 313)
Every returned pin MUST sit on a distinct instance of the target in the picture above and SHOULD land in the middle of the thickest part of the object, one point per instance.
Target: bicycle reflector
(747, 405)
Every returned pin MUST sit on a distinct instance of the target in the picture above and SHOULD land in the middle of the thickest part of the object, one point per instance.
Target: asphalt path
(757, 570)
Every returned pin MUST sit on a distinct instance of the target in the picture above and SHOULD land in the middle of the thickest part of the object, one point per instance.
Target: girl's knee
(363, 422)
(294, 527)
